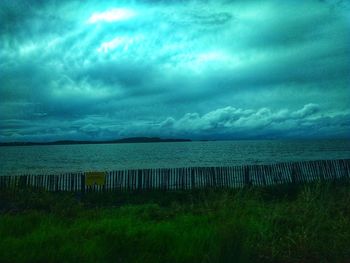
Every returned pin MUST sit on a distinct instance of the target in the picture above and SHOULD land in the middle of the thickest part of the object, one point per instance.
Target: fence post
(193, 183)
(82, 182)
(139, 180)
(213, 176)
(22, 181)
(247, 181)
(293, 176)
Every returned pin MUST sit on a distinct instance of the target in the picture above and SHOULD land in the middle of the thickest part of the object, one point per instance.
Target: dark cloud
(169, 68)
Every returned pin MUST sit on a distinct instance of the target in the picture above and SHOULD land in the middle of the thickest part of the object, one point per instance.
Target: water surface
(74, 158)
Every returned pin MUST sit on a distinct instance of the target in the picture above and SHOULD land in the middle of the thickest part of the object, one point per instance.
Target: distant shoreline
(72, 142)
(157, 139)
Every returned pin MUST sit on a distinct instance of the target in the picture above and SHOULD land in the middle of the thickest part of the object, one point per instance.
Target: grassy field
(309, 223)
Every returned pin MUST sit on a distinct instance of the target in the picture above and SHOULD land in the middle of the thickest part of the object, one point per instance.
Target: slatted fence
(187, 178)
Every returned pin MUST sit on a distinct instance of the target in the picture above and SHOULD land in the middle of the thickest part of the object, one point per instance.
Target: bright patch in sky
(112, 15)
(118, 42)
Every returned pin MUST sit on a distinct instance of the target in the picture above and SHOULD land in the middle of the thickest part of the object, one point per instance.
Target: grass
(309, 223)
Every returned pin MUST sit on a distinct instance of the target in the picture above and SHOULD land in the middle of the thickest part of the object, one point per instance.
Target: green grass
(309, 223)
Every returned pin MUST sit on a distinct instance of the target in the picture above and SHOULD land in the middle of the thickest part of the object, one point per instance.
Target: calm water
(73, 158)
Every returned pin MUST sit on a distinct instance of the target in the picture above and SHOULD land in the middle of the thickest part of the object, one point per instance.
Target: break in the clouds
(195, 69)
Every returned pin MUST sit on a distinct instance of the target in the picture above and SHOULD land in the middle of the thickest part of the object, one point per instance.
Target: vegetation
(309, 223)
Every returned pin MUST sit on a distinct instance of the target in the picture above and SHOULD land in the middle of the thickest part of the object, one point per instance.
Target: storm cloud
(195, 69)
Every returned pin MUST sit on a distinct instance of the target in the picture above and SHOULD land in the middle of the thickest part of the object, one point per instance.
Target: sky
(101, 70)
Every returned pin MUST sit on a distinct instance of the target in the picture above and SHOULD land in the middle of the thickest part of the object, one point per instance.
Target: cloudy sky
(188, 69)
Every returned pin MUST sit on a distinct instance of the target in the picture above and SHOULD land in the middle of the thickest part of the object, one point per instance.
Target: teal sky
(192, 69)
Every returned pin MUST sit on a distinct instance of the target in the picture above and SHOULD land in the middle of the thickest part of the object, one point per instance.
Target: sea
(56, 159)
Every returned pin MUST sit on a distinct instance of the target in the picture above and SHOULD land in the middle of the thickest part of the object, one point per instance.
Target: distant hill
(124, 140)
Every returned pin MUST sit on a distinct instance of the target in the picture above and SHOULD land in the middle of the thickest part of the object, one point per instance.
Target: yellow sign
(95, 178)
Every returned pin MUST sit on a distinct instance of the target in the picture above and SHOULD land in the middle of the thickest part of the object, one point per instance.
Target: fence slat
(166, 179)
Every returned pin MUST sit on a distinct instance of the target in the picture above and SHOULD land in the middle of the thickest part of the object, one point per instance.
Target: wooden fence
(185, 178)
